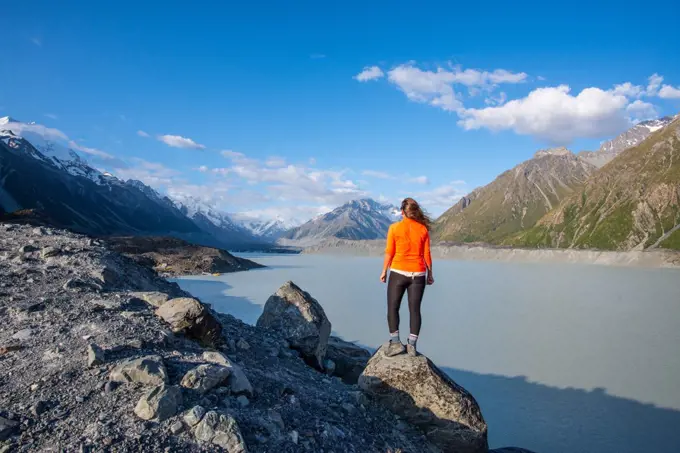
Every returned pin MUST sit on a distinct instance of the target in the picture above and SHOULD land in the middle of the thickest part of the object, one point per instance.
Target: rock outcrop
(51, 397)
(416, 390)
(187, 315)
(300, 319)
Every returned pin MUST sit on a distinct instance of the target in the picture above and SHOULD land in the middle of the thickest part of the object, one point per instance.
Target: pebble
(243, 344)
(243, 400)
(110, 387)
(34, 387)
(177, 427)
(80, 399)
(295, 437)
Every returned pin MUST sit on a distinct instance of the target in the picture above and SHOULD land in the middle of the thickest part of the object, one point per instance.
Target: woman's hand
(430, 278)
(383, 276)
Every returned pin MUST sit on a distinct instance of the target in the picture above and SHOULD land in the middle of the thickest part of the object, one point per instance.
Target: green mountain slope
(633, 202)
(514, 201)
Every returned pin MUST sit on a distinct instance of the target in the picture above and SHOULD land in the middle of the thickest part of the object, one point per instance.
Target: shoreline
(643, 259)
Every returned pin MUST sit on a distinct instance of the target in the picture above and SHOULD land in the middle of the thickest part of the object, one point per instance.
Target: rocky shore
(99, 353)
(174, 257)
(652, 258)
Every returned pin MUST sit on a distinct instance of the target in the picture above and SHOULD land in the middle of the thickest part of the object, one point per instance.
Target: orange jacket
(408, 246)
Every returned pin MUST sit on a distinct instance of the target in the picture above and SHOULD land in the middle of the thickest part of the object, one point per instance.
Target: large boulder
(350, 359)
(149, 370)
(160, 403)
(221, 430)
(205, 377)
(189, 316)
(237, 381)
(416, 390)
(300, 319)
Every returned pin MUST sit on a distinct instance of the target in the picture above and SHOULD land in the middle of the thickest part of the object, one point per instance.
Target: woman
(407, 256)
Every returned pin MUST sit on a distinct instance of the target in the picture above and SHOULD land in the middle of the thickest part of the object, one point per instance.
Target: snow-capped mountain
(217, 223)
(358, 219)
(269, 230)
(42, 170)
(632, 137)
(60, 184)
(53, 146)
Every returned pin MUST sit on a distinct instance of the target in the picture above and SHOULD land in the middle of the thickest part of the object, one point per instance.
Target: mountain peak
(6, 120)
(560, 151)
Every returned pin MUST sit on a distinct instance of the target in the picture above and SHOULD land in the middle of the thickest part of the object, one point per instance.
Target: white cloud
(312, 161)
(441, 198)
(275, 161)
(377, 174)
(437, 87)
(142, 134)
(151, 173)
(554, 115)
(51, 116)
(496, 100)
(369, 73)
(177, 141)
(91, 151)
(669, 92)
(203, 169)
(654, 84)
(640, 111)
(628, 89)
(37, 41)
(420, 180)
(317, 56)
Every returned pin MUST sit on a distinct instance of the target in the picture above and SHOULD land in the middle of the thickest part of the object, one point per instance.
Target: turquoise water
(562, 358)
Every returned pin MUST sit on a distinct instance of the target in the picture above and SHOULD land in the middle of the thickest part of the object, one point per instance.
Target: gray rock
(110, 387)
(300, 319)
(23, 334)
(237, 381)
(205, 377)
(160, 403)
(49, 251)
(80, 285)
(350, 359)
(275, 417)
(39, 408)
(177, 427)
(329, 366)
(418, 392)
(95, 355)
(194, 416)
(7, 428)
(144, 370)
(221, 430)
(243, 344)
(189, 316)
(243, 401)
(153, 298)
(27, 248)
(294, 437)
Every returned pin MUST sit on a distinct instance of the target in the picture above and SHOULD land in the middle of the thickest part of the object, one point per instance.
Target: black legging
(396, 287)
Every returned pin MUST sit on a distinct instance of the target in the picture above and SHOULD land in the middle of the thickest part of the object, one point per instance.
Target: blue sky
(261, 109)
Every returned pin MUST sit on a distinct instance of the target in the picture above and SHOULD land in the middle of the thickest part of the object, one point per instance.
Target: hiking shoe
(395, 348)
(411, 350)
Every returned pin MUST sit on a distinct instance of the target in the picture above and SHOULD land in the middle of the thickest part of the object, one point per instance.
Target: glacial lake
(562, 358)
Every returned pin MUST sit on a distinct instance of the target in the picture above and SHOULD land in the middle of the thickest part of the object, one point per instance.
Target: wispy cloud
(51, 116)
(141, 133)
(37, 41)
(441, 198)
(369, 73)
(420, 180)
(377, 174)
(317, 56)
(177, 141)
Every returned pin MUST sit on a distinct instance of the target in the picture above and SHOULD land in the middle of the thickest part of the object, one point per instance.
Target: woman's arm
(428, 260)
(390, 250)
